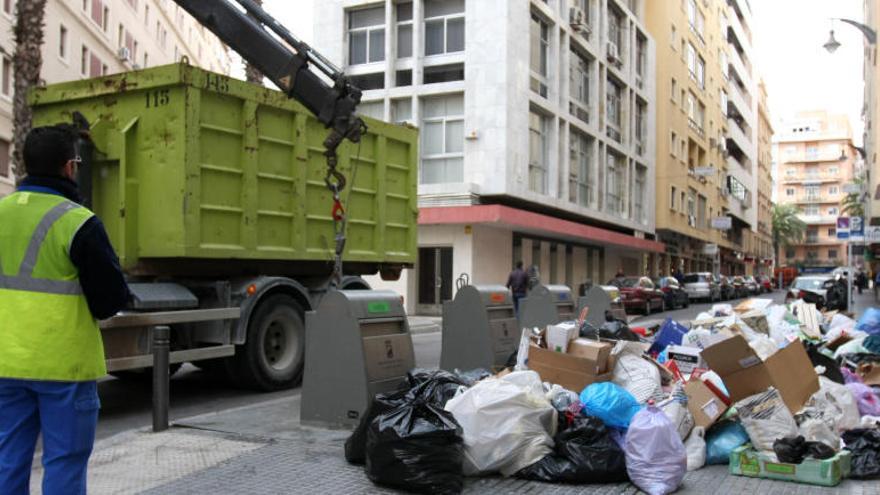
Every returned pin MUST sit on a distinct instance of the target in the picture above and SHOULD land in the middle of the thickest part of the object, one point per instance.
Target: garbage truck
(217, 193)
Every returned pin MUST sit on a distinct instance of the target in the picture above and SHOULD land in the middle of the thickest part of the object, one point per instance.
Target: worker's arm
(99, 273)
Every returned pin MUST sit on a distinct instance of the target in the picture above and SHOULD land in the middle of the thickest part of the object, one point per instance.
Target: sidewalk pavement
(262, 449)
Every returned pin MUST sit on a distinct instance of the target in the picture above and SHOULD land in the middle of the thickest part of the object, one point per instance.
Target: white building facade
(535, 119)
(91, 38)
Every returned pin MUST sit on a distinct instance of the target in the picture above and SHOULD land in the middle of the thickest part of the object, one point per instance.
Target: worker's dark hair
(47, 149)
(519, 264)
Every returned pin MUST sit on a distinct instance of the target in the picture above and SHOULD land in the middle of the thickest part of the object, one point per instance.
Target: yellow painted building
(762, 238)
(692, 126)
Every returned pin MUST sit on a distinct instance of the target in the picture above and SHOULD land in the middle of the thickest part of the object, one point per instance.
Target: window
(444, 26)
(832, 190)
(539, 152)
(97, 12)
(84, 61)
(692, 202)
(366, 35)
(672, 198)
(695, 18)
(724, 101)
(832, 171)
(105, 19)
(789, 253)
(701, 72)
(580, 184)
(404, 30)
(692, 107)
(614, 183)
(4, 158)
(403, 78)
(62, 42)
(146, 60)
(682, 200)
(701, 212)
(615, 26)
(832, 232)
(811, 210)
(673, 144)
(736, 188)
(401, 110)
(367, 82)
(539, 53)
(674, 93)
(374, 109)
(811, 191)
(672, 37)
(6, 87)
(641, 129)
(133, 3)
(641, 57)
(579, 75)
(789, 191)
(442, 139)
(146, 14)
(833, 210)
(832, 254)
(696, 66)
(639, 192)
(444, 73)
(613, 110)
(7, 9)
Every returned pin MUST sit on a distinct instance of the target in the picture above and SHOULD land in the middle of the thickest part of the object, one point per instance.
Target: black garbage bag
(418, 447)
(610, 329)
(832, 369)
(584, 453)
(436, 386)
(865, 447)
(356, 443)
(795, 449)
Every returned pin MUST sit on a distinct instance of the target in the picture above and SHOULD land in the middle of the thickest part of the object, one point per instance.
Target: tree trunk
(252, 74)
(26, 63)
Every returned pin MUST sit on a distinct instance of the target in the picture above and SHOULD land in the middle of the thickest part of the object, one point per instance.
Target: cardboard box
(746, 461)
(870, 373)
(703, 403)
(686, 358)
(744, 374)
(594, 352)
(558, 336)
(571, 372)
(757, 321)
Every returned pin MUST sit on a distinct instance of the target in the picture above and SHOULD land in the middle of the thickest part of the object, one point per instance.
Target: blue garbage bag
(870, 321)
(611, 403)
(671, 333)
(721, 439)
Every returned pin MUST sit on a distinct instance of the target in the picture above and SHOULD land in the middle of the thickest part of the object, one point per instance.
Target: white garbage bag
(816, 430)
(763, 346)
(836, 405)
(507, 423)
(784, 326)
(676, 409)
(638, 376)
(695, 445)
(766, 418)
(656, 459)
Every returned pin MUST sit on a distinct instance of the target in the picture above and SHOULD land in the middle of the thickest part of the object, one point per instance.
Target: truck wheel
(272, 356)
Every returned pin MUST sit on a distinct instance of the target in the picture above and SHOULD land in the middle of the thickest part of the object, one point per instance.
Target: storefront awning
(536, 223)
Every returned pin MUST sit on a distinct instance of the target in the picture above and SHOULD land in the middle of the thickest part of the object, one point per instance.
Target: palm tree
(27, 61)
(251, 73)
(787, 227)
(852, 204)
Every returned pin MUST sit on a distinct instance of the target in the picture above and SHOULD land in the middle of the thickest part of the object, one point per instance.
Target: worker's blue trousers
(66, 413)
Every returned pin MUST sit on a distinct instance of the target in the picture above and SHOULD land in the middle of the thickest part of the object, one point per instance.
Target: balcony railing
(744, 142)
(821, 176)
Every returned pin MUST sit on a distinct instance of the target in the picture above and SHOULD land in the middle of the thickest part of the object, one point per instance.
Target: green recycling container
(197, 173)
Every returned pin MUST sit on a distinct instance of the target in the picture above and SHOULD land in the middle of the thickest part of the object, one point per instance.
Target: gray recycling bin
(598, 301)
(546, 305)
(479, 328)
(357, 345)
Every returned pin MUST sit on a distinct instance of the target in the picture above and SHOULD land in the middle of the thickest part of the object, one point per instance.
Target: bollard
(161, 344)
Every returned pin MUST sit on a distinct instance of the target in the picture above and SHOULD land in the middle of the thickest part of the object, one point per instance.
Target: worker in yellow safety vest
(58, 275)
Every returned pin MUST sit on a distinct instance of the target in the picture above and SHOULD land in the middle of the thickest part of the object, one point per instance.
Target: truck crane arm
(288, 66)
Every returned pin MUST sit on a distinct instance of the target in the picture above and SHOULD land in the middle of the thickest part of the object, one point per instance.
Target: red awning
(535, 223)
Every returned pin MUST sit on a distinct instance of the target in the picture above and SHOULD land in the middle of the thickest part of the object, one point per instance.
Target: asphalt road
(127, 405)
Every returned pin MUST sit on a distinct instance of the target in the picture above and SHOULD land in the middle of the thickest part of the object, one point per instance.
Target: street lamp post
(832, 44)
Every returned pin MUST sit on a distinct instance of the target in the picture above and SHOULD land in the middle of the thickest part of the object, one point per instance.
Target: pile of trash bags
(664, 406)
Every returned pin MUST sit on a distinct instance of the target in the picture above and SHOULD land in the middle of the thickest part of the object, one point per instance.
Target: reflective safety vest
(46, 329)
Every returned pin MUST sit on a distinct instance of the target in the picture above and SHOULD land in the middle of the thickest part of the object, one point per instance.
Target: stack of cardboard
(580, 363)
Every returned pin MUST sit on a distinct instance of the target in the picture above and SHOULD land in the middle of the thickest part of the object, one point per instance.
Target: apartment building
(706, 137)
(871, 116)
(763, 236)
(536, 120)
(816, 159)
(91, 38)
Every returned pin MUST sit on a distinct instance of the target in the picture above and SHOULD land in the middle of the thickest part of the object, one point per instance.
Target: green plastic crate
(195, 169)
(746, 461)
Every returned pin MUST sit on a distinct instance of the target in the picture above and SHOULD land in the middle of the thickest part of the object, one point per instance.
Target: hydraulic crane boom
(288, 65)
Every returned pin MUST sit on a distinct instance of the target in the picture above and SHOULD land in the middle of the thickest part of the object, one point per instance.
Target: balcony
(821, 241)
(818, 219)
(819, 198)
(743, 39)
(742, 68)
(739, 137)
(740, 101)
(811, 178)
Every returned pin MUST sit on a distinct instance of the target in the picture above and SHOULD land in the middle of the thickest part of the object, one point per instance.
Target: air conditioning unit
(613, 54)
(124, 53)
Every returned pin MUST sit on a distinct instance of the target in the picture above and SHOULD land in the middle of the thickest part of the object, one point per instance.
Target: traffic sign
(843, 228)
(856, 229)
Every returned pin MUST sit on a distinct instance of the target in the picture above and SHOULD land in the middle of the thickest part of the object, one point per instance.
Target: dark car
(740, 289)
(640, 294)
(674, 295)
(752, 285)
(727, 290)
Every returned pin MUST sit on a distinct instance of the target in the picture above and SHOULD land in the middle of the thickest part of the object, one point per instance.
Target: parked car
(809, 287)
(640, 294)
(765, 283)
(752, 286)
(702, 286)
(725, 287)
(739, 287)
(675, 296)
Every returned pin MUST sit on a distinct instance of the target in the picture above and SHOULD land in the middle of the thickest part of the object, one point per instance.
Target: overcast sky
(800, 74)
(788, 37)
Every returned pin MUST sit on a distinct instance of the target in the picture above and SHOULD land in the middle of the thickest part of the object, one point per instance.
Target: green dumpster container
(197, 173)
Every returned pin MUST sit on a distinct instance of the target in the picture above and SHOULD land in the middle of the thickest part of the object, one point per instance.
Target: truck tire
(272, 356)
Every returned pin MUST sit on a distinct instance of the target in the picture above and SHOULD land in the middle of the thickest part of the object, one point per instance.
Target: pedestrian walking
(518, 283)
(862, 281)
(58, 274)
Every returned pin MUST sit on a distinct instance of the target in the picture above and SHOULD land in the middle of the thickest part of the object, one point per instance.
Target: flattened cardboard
(744, 374)
(703, 403)
(592, 351)
(571, 372)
